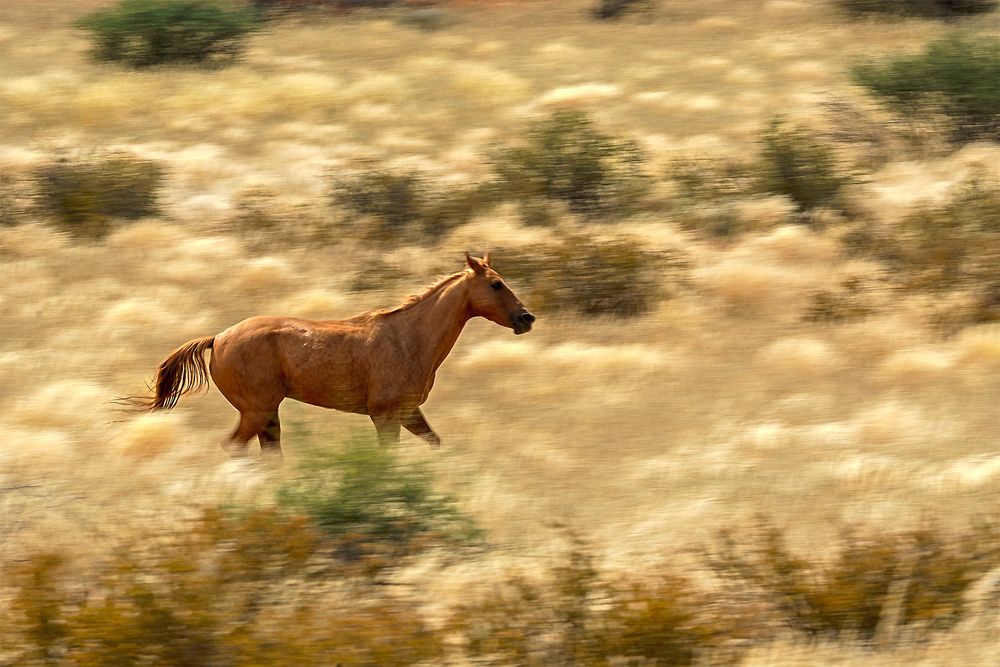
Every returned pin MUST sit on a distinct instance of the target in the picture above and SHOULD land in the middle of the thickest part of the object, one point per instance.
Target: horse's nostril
(528, 317)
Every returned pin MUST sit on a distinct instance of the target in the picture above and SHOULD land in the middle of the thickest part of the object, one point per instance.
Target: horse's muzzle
(522, 323)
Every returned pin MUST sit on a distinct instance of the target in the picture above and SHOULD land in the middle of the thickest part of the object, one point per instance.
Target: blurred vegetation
(144, 33)
(956, 78)
(258, 586)
(566, 159)
(954, 245)
(227, 589)
(377, 508)
(925, 8)
(707, 193)
(86, 194)
(793, 164)
(404, 205)
(341, 5)
(589, 276)
(614, 9)
(876, 583)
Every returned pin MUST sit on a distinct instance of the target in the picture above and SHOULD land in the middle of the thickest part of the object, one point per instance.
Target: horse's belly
(336, 398)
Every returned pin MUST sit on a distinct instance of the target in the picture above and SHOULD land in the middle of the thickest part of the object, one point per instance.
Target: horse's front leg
(416, 424)
(387, 427)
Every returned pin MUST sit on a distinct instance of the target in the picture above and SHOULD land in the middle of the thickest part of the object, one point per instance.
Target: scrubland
(782, 378)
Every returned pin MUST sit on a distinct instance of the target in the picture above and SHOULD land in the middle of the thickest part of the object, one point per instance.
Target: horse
(379, 363)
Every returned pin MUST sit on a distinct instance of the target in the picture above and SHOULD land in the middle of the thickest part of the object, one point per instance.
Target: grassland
(643, 436)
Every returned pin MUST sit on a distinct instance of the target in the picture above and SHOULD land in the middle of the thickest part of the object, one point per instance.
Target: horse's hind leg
(270, 437)
(387, 427)
(417, 424)
(251, 423)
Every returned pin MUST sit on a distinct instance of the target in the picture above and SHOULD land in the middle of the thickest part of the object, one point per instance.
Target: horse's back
(263, 359)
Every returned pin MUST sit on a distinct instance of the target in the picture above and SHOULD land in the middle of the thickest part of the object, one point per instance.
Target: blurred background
(755, 423)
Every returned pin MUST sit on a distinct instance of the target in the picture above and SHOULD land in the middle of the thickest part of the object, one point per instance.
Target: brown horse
(379, 363)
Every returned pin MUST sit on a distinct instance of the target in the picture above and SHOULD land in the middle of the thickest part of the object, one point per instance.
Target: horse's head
(490, 297)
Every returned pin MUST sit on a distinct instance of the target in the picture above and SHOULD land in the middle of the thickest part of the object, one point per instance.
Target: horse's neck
(433, 325)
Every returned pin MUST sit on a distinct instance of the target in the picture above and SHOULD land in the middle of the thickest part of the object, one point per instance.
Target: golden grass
(644, 435)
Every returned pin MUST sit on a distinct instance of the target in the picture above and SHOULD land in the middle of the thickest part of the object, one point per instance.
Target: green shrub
(143, 33)
(374, 505)
(85, 194)
(926, 8)
(957, 77)
(791, 163)
(565, 158)
(404, 205)
(589, 277)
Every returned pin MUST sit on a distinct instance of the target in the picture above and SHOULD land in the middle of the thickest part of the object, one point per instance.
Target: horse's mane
(414, 299)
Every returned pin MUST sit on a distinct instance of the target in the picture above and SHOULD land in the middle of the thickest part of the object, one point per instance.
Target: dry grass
(644, 435)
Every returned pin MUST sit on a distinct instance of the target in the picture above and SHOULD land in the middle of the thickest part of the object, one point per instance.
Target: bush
(85, 194)
(588, 277)
(955, 245)
(566, 159)
(226, 590)
(793, 164)
(925, 8)
(377, 508)
(613, 9)
(708, 192)
(576, 617)
(876, 583)
(143, 33)
(956, 77)
(403, 205)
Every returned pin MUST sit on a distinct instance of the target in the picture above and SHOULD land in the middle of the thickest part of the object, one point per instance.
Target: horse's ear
(486, 259)
(474, 264)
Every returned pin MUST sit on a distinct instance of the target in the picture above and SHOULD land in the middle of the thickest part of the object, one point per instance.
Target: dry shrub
(953, 246)
(616, 277)
(567, 159)
(710, 192)
(615, 9)
(227, 590)
(876, 584)
(85, 194)
(574, 616)
(404, 205)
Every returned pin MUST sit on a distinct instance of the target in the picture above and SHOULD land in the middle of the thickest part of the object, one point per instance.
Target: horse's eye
(497, 285)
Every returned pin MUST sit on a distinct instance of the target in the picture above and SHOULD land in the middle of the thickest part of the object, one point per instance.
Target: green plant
(565, 158)
(143, 33)
(616, 277)
(791, 163)
(85, 194)
(957, 77)
(376, 506)
(925, 8)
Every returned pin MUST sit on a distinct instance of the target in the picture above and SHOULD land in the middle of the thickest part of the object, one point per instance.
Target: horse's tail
(182, 372)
